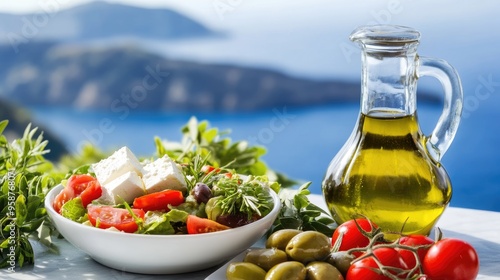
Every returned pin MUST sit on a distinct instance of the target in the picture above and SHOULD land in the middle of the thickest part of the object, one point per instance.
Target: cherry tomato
(109, 216)
(159, 200)
(197, 225)
(367, 268)
(351, 236)
(414, 241)
(451, 258)
(83, 185)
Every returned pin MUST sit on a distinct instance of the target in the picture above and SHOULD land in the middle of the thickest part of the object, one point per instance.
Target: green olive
(341, 260)
(323, 271)
(308, 246)
(280, 238)
(244, 271)
(266, 258)
(290, 270)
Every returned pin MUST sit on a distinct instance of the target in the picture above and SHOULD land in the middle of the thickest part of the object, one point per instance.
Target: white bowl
(160, 254)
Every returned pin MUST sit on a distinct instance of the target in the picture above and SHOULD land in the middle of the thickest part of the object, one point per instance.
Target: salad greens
(26, 176)
(200, 140)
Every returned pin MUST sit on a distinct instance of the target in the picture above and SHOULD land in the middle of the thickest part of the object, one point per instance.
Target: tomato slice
(197, 225)
(159, 200)
(80, 182)
(90, 190)
(109, 216)
(64, 196)
(83, 185)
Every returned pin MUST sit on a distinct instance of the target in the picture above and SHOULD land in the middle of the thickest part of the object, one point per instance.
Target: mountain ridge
(71, 70)
(99, 20)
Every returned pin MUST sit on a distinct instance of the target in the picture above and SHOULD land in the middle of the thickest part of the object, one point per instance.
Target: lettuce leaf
(156, 222)
(74, 210)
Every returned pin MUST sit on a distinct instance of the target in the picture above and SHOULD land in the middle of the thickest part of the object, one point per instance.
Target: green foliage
(25, 178)
(79, 163)
(297, 212)
(199, 139)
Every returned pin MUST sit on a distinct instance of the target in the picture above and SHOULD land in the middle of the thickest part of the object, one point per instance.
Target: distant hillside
(64, 64)
(98, 20)
(118, 77)
(19, 119)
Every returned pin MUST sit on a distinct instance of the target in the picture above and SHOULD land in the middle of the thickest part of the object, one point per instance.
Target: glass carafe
(388, 170)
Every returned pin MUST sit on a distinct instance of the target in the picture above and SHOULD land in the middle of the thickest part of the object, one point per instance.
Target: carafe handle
(441, 137)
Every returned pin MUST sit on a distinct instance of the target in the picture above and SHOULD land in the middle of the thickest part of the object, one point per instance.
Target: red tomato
(351, 236)
(109, 216)
(159, 200)
(197, 225)
(83, 185)
(367, 268)
(80, 182)
(451, 258)
(414, 241)
(64, 196)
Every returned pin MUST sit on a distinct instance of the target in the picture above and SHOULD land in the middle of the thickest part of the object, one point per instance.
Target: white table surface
(479, 228)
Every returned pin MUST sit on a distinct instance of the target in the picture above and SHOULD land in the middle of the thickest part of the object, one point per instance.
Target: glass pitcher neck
(389, 62)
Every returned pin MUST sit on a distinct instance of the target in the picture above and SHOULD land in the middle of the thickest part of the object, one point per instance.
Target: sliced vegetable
(83, 185)
(107, 216)
(159, 201)
(197, 225)
(64, 196)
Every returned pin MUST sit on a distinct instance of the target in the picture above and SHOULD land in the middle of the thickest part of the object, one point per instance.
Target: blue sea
(301, 142)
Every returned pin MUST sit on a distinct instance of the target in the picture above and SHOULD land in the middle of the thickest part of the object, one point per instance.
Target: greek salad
(161, 196)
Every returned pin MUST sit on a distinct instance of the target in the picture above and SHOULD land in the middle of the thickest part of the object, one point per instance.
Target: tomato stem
(409, 273)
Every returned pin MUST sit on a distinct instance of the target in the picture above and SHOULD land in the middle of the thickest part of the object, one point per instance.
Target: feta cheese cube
(163, 174)
(119, 163)
(124, 188)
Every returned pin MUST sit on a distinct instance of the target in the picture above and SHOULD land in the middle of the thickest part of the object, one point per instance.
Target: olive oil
(384, 173)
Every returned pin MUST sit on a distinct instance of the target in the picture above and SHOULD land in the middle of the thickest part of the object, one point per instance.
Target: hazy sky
(298, 35)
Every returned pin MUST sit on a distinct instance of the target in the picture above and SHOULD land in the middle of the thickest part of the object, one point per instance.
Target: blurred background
(281, 74)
